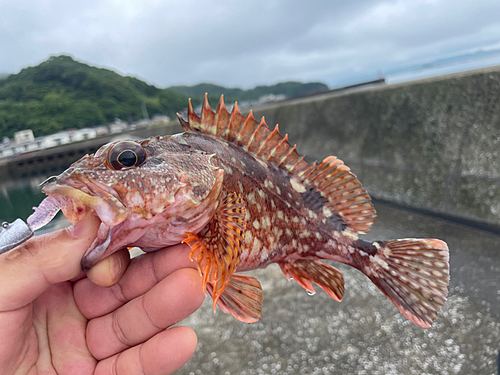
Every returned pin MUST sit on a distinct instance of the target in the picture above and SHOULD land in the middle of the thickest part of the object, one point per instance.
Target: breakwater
(432, 145)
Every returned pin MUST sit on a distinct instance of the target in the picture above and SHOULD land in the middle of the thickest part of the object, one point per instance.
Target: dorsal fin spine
(207, 117)
(193, 119)
(255, 133)
(288, 156)
(301, 159)
(235, 123)
(221, 119)
(247, 130)
(184, 124)
(272, 139)
(274, 151)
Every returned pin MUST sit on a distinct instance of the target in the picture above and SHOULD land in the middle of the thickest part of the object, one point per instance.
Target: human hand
(49, 324)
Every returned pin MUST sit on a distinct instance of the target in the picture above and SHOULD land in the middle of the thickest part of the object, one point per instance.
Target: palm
(80, 328)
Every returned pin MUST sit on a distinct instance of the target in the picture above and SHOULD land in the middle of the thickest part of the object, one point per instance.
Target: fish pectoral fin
(305, 273)
(217, 248)
(242, 298)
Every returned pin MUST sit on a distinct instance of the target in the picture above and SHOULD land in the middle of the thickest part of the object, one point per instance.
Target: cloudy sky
(246, 43)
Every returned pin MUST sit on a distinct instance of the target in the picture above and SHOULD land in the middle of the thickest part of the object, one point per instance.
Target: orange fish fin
(305, 273)
(345, 200)
(414, 275)
(216, 249)
(241, 299)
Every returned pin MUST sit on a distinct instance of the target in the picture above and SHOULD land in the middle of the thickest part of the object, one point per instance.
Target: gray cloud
(244, 43)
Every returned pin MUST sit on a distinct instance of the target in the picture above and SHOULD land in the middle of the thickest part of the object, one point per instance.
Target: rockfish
(242, 198)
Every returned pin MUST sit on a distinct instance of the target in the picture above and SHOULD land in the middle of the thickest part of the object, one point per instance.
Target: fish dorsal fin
(253, 136)
(344, 196)
(217, 249)
(342, 192)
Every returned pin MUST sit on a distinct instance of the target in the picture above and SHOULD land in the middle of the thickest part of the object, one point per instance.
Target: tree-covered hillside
(62, 93)
(289, 89)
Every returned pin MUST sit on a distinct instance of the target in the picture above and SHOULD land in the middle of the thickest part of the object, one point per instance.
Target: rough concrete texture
(432, 144)
(364, 334)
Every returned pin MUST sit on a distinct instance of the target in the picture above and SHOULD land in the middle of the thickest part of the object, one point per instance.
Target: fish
(241, 197)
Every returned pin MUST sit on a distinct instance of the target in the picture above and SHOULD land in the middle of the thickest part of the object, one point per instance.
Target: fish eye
(126, 154)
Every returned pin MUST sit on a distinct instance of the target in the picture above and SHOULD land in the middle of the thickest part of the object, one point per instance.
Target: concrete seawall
(433, 144)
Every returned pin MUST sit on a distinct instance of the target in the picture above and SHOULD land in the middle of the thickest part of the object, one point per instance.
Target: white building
(24, 136)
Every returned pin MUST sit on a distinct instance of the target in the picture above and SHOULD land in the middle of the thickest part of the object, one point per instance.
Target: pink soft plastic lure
(46, 211)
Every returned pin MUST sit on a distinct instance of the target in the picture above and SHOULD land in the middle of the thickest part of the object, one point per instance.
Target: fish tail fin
(414, 275)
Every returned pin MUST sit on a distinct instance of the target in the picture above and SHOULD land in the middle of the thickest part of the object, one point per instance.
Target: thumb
(27, 271)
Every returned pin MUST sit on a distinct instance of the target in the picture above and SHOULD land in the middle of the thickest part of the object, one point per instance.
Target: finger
(142, 274)
(163, 354)
(64, 328)
(28, 270)
(173, 299)
(109, 270)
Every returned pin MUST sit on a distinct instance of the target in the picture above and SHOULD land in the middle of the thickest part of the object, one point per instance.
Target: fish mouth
(78, 201)
(98, 200)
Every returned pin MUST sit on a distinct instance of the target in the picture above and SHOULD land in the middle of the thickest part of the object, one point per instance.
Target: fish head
(134, 186)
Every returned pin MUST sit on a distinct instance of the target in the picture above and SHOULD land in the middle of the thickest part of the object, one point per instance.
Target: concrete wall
(432, 144)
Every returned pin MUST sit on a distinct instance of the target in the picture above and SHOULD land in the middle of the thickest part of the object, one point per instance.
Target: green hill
(289, 89)
(62, 93)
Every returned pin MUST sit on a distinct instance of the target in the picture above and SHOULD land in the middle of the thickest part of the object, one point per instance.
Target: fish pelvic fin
(305, 273)
(242, 298)
(414, 275)
(217, 248)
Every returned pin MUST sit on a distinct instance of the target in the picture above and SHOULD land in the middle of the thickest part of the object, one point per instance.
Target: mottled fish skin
(240, 195)
(283, 223)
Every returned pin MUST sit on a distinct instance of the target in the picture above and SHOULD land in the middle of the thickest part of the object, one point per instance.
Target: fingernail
(79, 229)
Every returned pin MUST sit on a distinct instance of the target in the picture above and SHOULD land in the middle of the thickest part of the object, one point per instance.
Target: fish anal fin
(414, 275)
(217, 248)
(305, 273)
(242, 298)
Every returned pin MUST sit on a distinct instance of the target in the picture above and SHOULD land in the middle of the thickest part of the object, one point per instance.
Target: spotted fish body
(242, 198)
